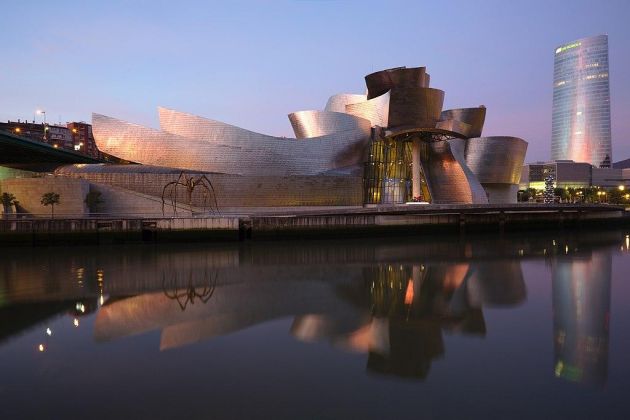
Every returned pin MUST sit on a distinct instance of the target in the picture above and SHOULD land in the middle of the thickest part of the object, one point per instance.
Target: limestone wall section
(244, 191)
(121, 201)
(29, 191)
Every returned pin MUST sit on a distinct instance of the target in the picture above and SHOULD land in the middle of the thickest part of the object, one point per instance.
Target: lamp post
(42, 112)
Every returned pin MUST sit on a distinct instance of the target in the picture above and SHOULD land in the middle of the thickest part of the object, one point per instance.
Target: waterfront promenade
(252, 224)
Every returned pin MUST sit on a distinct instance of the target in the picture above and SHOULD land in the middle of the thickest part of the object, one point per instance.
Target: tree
(615, 196)
(562, 193)
(8, 200)
(531, 194)
(93, 201)
(523, 195)
(50, 199)
(587, 194)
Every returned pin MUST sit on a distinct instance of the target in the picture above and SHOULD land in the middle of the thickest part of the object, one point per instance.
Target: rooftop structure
(570, 174)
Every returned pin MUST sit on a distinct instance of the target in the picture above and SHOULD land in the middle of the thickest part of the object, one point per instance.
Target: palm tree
(93, 201)
(8, 200)
(50, 199)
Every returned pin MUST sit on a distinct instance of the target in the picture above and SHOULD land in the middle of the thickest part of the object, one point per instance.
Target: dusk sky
(250, 63)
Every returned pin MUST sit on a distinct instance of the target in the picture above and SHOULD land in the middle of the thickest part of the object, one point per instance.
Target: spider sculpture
(190, 183)
(188, 294)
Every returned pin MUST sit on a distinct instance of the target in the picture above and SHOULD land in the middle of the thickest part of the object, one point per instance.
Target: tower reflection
(581, 307)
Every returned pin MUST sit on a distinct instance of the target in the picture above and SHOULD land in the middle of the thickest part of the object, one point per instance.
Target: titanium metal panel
(446, 178)
(497, 159)
(338, 102)
(375, 110)
(410, 77)
(340, 149)
(501, 193)
(186, 125)
(381, 81)
(208, 145)
(462, 129)
(309, 124)
(458, 149)
(415, 106)
(474, 117)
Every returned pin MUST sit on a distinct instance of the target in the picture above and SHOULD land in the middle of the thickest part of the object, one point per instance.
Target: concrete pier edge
(310, 223)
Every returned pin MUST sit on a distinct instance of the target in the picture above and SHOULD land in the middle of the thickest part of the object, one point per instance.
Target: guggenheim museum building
(393, 145)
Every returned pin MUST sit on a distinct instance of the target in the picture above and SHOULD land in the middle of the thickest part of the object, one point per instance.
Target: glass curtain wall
(388, 172)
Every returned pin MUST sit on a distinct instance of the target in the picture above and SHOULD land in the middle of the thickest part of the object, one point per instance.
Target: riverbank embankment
(309, 223)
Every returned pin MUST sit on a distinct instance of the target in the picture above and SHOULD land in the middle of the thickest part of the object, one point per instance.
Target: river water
(513, 326)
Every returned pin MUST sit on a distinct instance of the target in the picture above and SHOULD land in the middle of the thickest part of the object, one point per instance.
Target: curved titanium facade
(497, 163)
(376, 110)
(458, 149)
(496, 159)
(227, 149)
(474, 117)
(381, 81)
(581, 102)
(436, 166)
(309, 124)
(338, 102)
(407, 147)
(333, 151)
(411, 102)
(186, 125)
(463, 130)
(410, 106)
(448, 182)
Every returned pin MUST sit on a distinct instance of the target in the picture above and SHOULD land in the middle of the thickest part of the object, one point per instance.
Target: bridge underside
(22, 153)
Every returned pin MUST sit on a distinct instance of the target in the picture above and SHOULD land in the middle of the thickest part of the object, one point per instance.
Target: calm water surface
(517, 326)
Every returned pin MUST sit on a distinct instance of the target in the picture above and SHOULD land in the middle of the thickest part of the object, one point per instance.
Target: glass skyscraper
(581, 102)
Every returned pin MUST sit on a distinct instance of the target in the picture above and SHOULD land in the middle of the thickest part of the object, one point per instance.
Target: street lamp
(42, 112)
(621, 188)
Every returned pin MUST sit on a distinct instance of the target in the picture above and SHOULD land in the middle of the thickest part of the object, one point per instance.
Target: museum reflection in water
(357, 300)
(406, 308)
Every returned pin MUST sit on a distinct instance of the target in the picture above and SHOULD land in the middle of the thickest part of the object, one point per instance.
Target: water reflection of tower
(581, 306)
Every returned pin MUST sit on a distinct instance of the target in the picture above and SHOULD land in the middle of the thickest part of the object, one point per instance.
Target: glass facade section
(581, 102)
(388, 176)
(388, 172)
